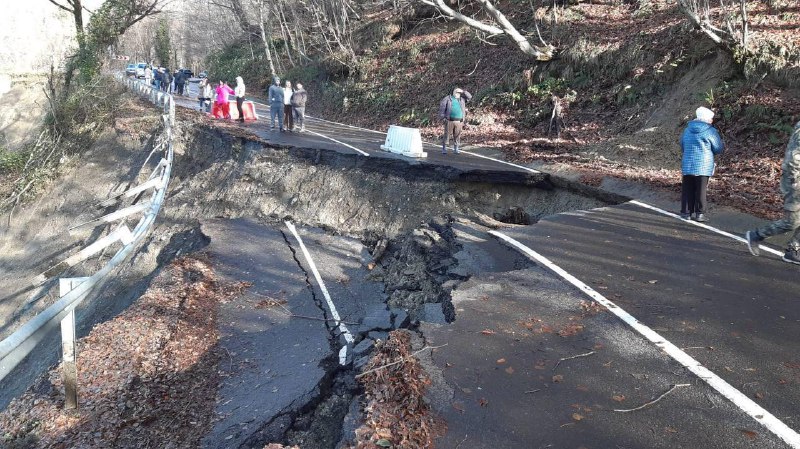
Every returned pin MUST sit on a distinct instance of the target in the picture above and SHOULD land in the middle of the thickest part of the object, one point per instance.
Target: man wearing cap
(275, 95)
(790, 183)
(453, 110)
(700, 142)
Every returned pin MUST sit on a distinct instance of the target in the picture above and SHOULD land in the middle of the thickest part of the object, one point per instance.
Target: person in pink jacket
(223, 90)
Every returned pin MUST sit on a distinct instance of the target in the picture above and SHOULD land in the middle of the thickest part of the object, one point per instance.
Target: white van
(140, 69)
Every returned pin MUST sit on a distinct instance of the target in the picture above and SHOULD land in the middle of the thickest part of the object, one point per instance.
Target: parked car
(187, 73)
(130, 70)
(140, 69)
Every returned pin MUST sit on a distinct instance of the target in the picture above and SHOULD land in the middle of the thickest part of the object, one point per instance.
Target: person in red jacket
(223, 90)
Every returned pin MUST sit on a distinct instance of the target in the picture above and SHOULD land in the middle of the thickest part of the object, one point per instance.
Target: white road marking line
(498, 160)
(334, 313)
(434, 145)
(345, 124)
(363, 153)
(704, 226)
(739, 399)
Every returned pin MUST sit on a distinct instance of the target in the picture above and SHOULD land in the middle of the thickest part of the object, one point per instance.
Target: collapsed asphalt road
(524, 359)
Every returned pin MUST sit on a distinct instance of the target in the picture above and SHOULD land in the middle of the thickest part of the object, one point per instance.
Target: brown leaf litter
(147, 378)
(395, 407)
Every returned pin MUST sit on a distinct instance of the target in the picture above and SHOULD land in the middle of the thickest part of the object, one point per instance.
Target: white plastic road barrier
(405, 141)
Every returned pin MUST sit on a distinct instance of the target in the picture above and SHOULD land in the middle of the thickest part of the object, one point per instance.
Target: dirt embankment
(221, 175)
(24, 106)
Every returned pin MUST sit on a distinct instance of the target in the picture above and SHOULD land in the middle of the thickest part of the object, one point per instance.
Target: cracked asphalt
(530, 361)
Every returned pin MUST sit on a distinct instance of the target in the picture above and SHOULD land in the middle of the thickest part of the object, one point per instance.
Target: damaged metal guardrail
(72, 291)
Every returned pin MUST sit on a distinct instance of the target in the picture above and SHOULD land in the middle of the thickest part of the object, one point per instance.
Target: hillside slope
(630, 77)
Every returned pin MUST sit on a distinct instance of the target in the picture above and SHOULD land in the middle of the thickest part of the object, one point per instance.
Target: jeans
(276, 110)
(452, 128)
(300, 116)
(789, 222)
(287, 116)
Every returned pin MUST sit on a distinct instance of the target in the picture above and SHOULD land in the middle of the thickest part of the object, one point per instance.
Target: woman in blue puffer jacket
(700, 142)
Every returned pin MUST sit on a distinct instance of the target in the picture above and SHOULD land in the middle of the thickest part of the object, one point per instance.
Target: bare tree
(105, 26)
(75, 8)
(332, 28)
(499, 25)
(732, 34)
(265, 37)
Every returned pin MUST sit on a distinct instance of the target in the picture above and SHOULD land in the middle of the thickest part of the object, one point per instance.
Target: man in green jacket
(453, 110)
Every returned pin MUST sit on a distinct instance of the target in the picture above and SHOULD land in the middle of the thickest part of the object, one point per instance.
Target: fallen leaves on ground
(395, 405)
(147, 378)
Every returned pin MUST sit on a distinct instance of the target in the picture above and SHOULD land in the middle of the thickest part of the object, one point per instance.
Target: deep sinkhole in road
(406, 208)
(375, 200)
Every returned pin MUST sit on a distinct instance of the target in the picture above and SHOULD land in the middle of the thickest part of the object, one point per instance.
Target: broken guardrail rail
(18, 345)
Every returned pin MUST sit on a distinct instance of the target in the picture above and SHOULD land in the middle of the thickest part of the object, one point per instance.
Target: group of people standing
(288, 105)
(700, 142)
(219, 95)
(160, 77)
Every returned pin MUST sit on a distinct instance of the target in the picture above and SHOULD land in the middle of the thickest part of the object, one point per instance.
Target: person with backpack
(453, 111)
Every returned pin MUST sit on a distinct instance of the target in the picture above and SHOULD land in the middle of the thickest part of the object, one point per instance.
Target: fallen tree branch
(398, 361)
(573, 357)
(648, 404)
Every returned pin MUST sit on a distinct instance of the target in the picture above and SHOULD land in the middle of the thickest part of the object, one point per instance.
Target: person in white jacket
(205, 96)
(239, 92)
(288, 120)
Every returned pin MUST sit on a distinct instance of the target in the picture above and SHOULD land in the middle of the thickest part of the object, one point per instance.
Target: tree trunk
(265, 38)
(505, 27)
(541, 54)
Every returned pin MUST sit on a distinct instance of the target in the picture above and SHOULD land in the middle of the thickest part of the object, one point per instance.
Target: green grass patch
(12, 161)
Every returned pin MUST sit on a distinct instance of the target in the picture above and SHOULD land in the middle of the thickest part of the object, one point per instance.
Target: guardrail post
(68, 350)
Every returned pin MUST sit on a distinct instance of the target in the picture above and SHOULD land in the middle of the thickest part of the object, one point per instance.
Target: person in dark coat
(180, 80)
(275, 95)
(700, 142)
(453, 111)
(299, 99)
(790, 188)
